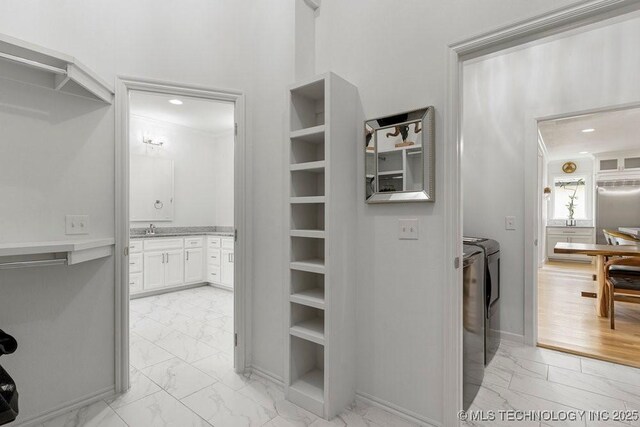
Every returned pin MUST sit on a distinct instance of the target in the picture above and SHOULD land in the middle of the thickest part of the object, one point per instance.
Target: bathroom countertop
(183, 234)
(139, 232)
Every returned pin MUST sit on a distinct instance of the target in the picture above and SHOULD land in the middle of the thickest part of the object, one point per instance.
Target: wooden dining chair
(618, 238)
(625, 286)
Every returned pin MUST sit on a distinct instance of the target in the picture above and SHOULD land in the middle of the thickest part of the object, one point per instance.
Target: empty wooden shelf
(320, 279)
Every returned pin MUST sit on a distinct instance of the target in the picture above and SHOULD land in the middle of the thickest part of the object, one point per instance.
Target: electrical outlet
(77, 224)
(408, 229)
(509, 222)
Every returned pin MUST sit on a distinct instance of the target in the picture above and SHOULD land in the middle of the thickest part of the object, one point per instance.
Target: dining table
(600, 252)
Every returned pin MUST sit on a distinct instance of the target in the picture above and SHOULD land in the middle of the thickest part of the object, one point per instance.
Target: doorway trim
(242, 274)
(520, 33)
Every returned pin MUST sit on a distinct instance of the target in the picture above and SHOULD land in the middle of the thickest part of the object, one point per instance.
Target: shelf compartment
(398, 172)
(307, 105)
(307, 147)
(306, 372)
(307, 323)
(307, 217)
(312, 298)
(307, 289)
(306, 183)
(317, 167)
(313, 135)
(314, 234)
(310, 265)
(305, 248)
(307, 200)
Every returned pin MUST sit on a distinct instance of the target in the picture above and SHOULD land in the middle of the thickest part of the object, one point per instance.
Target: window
(570, 195)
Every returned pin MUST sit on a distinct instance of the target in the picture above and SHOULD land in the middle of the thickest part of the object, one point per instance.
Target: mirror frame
(427, 194)
(171, 200)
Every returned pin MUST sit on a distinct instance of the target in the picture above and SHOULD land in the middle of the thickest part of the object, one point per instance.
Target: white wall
(56, 158)
(249, 45)
(203, 171)
(502, 97)
(394, 52)
(244, 45)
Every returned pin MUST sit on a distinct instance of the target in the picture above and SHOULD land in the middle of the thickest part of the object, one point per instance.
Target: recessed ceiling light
(588, 130)
(584, 152)
(175, 102)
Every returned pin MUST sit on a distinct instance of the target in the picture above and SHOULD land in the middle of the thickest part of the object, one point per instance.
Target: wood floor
(568, 322)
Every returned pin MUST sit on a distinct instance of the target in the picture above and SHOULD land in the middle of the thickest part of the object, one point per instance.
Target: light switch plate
(408, 229)
(77, 224)
(509, 222)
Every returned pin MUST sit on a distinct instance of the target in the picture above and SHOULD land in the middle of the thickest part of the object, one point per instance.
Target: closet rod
(36, 263)
(33, 64)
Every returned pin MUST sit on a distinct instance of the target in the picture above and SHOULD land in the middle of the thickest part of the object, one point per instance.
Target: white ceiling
(205, 115)
(614, 131)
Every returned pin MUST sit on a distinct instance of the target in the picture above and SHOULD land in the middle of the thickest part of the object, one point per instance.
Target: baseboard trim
(167, 290)
(510, 336)
(219, 286)
(270, 376)
(67, 407)
(397, 410)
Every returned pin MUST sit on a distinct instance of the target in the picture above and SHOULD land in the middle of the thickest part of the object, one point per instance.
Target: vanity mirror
(399, 158)
(151, 197)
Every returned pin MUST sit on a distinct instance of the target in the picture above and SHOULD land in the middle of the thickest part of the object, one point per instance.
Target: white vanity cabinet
(220, 261)
(193, 260)
(569, 235)
(169, 262)
(163, 263)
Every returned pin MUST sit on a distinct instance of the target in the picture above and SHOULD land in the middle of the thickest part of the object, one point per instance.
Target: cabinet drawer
(135, 246)
(227, 243)
(193, 242)
(160, 244)
(213, 242)
(135, 263)
(213, 257)
(213, 274)
(135, 283)
(569, 231)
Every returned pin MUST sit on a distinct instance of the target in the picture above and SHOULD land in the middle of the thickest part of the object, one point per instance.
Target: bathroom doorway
(181, 273)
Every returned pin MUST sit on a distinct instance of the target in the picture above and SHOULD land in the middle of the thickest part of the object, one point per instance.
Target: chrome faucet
(151, 230)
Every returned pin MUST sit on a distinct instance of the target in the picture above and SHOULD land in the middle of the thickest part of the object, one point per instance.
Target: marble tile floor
(182, 375)
(528, 378)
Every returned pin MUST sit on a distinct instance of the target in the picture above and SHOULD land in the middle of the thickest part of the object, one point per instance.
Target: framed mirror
(151, 191)
(399, 157)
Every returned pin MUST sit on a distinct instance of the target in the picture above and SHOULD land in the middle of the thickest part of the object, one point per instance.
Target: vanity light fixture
(589, 130)
(547, 193)
(150, 141)
(175, 102)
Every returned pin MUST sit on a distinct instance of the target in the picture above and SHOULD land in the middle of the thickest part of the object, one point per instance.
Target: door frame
(518, 34)
(242, 273)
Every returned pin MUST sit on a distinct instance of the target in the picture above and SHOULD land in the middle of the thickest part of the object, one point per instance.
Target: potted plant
(571, 206)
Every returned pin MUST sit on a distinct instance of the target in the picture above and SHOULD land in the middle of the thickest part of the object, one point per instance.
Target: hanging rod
(33, 64)
(35, 263)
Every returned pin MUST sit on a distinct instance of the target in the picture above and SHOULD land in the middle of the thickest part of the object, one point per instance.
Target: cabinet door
(135, 283)
(174, 267)
(193, 265)
(213, 257)
(227, 268)
(153, 270)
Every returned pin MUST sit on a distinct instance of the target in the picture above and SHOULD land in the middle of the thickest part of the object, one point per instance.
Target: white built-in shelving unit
(321, 185)
(37, 65)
